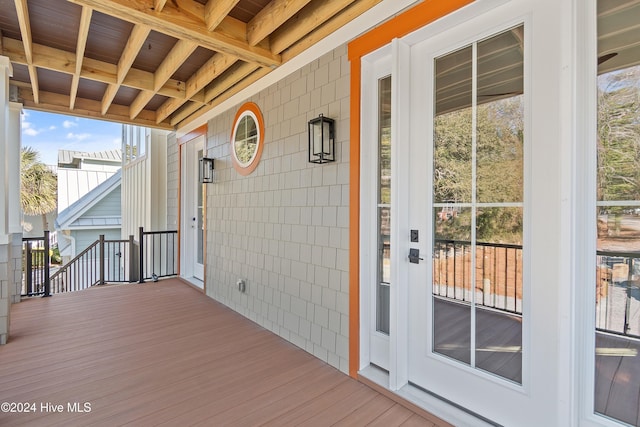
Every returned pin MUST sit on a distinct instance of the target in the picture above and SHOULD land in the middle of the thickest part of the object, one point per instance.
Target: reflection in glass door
(384, 206)
(478, 153)
(617, 260)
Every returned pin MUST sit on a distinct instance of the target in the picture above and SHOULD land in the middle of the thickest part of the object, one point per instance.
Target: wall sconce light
(206, 170)
(321, 140)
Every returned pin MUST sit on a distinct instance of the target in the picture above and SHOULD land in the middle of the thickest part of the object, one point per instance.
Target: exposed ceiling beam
(83, 32)
(22, 12)
(178, 54)
(213, 68)
(184, 26)
(92, 69)
(158, 5)
(54, 102)
(244, 83)
(350, 13)
(138, 35)
(25, 28)
(303, 22)
(221, 85)
(271, 17)
(216, 10)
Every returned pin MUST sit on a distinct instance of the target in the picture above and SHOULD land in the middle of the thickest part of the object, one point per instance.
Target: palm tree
(38, 186)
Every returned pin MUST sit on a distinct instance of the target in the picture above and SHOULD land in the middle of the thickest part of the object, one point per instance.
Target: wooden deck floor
(164, 354)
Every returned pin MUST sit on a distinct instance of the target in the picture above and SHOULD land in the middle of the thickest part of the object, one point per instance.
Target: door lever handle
(414, 256)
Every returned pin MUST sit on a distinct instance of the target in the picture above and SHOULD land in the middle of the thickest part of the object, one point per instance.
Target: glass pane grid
(478, 205)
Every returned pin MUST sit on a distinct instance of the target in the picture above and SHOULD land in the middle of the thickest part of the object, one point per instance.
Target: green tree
(499, 155)
(38, 186)
(619, 135)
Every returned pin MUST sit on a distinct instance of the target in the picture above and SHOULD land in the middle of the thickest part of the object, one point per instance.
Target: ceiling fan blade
(604, 58)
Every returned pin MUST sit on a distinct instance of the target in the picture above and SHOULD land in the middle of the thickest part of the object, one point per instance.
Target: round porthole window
(247, 138)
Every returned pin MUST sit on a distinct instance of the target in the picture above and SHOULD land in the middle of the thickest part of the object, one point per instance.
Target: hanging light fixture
(206, 170)
(321, 140)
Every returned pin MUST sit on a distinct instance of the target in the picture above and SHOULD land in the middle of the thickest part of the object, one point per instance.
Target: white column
(6, 280)
(13, 166)
(6, 71)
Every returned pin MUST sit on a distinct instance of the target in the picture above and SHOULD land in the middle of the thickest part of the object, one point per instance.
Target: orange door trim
(399, 26)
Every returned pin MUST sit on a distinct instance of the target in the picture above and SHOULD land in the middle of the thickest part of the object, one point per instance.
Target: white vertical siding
(144, 183)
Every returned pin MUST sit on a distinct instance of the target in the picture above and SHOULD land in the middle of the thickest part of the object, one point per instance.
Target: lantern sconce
(322, 140)
(206, 170)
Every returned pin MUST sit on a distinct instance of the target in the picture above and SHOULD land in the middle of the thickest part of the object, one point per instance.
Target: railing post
(101, 256)
(28, 268)
(47, 265)
(141, 244)
(132, 259)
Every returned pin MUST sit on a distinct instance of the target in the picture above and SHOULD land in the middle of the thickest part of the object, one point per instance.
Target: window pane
(477, 257)
(246, 139)
(453, 128)
(384, 202)
(499, 291)
(500, 118)
(617, 284)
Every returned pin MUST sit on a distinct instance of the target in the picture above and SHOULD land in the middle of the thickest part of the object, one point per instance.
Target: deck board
(164, 354)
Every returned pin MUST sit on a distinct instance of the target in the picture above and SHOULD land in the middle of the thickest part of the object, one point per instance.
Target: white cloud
(67, 124)
(28, 130)
(53, 127)
(78, 136)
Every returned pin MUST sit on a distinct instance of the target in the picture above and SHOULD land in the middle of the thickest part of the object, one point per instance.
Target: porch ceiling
(155, 63)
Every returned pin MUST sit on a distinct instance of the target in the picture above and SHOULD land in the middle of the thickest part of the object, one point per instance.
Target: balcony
(163, 353)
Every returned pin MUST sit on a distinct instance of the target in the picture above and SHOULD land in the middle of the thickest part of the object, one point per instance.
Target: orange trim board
(253, 108)
(403, 24)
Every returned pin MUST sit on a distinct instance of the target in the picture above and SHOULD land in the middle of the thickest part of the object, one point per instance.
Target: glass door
(466, 277)
(617, 193)
(193, 210)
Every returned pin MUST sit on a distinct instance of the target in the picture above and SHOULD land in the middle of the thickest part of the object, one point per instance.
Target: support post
(47, 265)
(101, 256)
(132, 259)
(141, 244)
(28, 257)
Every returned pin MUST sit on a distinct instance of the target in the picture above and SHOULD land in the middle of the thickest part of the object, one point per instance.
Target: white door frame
(546, 132)
(189, 267)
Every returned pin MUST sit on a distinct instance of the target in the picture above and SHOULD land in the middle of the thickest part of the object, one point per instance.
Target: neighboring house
(96, 213)
(88, 199)
(144, 184)
(501, 314)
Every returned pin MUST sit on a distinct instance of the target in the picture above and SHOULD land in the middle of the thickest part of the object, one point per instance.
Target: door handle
(414, 256)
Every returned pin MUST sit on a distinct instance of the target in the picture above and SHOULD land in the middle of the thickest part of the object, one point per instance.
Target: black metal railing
(104, 261)
(35, 265)
(498, 274)
(618, 293)
(158, 254)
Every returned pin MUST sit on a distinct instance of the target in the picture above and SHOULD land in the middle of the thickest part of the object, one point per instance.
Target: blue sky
(47, 133)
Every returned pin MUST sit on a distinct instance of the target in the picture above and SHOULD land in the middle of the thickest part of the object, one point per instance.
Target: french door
(447, 304)
(466, 207)
(192, 257)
